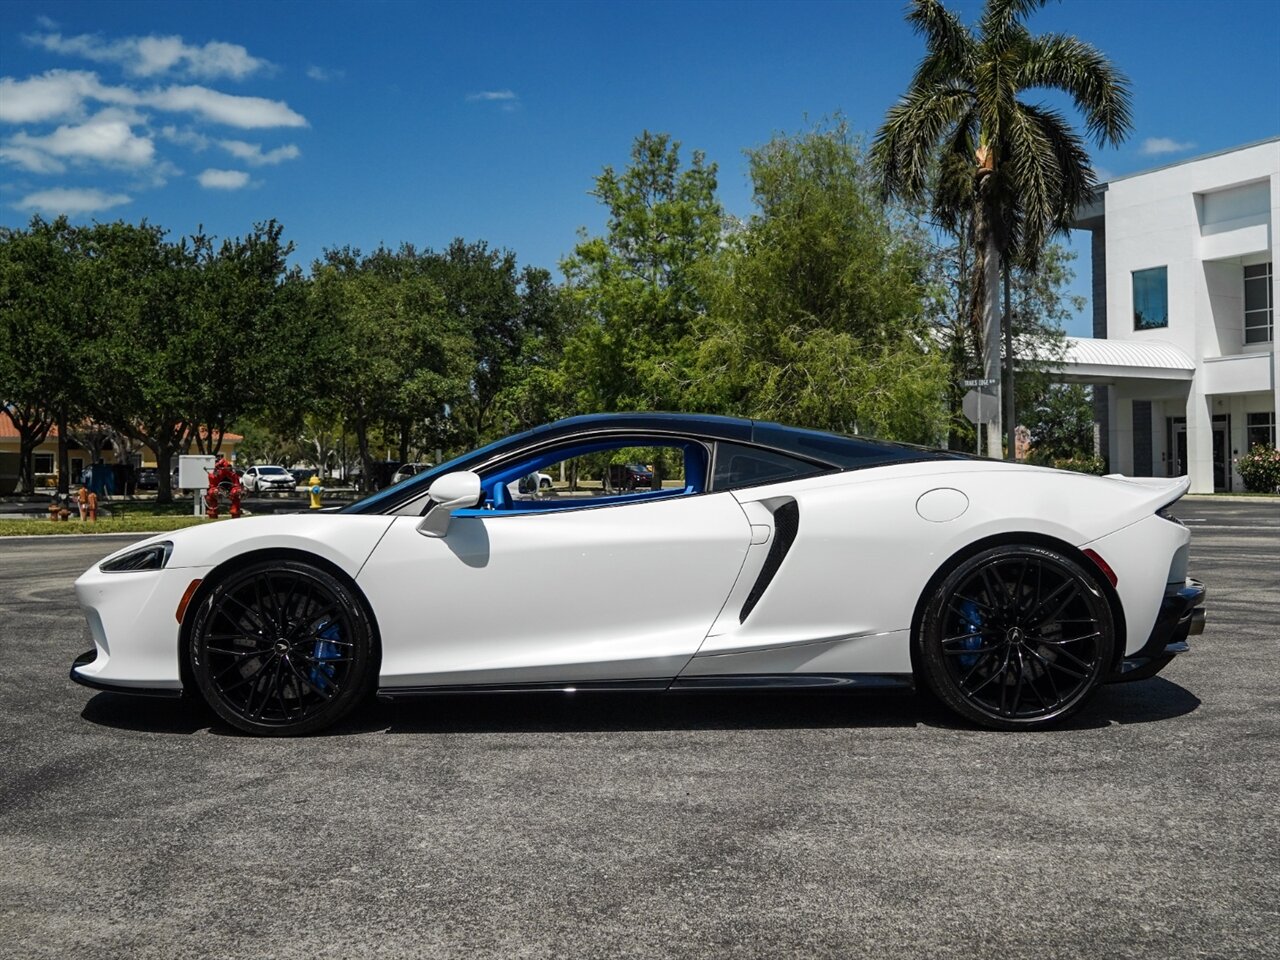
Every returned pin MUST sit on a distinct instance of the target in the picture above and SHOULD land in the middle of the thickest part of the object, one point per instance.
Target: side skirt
(784, 682)
(787, 682)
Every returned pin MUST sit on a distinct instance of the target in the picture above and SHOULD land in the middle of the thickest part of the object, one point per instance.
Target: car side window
(737, 465)
(595, 473)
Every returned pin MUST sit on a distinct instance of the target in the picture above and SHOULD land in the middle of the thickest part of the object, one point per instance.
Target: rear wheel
(282, 649)
(1016, 637)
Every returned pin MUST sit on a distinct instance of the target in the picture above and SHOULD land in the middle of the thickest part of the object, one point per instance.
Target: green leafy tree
(40, 378)
(252, 353)
(481, 290)
(816, 303)
(397, 355)
(1060, 419)
(1040, 306)
(139, 289)
(636, 289)
(1006, 170)
(532, 391)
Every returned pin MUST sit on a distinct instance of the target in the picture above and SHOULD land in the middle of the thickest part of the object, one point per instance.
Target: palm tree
(1009, 171)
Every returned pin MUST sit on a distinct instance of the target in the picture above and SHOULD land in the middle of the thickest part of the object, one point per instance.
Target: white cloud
(46, 23)
(252, 154)
(155, 176)
(61, 93)
(321, 75)
(1154, 146)
(31, 159)
(223, 179)
(153, 56)
(57, 93)
(105, 138)
(491, 95)
(244, 112)
(185, 137)
(71, 202)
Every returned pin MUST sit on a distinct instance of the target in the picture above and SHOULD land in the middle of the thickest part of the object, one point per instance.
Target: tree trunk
(64, 462)
(32, 429)
(362, 442)
(164, 470)
(405, 429)
(991, 335)
(1010, 419)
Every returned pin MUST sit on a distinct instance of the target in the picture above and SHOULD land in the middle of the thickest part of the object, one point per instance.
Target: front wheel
(282, 648)
(1016, 637)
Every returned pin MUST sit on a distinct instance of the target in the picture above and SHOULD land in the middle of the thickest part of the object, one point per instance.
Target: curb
(1233, 498)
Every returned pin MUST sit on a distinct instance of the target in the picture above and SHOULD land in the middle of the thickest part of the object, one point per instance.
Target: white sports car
(787, 558)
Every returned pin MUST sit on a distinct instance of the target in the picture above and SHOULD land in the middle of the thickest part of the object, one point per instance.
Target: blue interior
(496, 498)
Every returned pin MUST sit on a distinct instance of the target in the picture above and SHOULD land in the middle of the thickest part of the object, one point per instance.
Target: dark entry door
(1221, 462)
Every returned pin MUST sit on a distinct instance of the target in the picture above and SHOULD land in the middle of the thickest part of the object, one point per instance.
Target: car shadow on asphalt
(1147, 701)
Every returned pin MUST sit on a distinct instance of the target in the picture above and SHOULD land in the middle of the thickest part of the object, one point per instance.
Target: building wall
(1204, 221)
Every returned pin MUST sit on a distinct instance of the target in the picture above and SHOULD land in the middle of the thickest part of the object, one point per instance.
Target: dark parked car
(630, 476)
(147, 479)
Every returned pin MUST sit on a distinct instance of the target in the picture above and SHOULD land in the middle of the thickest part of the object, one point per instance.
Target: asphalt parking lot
(641, 826)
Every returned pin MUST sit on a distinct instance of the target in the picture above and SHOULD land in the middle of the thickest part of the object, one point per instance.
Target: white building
(1184, 293)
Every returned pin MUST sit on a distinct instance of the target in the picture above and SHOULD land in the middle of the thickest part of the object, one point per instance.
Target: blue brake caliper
(325, 649)
(972, 620)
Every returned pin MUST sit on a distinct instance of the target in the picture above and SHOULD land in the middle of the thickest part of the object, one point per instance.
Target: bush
(1079, 462)
(1260, 469)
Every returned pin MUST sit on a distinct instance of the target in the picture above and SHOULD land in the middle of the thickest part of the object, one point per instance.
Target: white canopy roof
(1092, 360)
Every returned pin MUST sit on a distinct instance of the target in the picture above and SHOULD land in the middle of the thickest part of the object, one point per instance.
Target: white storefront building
(1184, 289)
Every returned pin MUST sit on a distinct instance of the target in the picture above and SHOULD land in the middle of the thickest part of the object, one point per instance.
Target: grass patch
(127, 524)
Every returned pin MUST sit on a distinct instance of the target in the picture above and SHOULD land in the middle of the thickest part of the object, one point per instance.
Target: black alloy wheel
(282, 648)
(1017, 637)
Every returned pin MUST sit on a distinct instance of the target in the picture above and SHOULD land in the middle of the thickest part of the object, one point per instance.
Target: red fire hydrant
(221, 473)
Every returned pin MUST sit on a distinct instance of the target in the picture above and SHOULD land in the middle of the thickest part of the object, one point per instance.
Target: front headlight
(152, 557)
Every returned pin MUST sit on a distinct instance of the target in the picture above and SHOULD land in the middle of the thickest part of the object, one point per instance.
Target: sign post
(980, 405)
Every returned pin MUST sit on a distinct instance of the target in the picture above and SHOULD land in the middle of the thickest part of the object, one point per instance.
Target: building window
(1151, 298)
(1261, 428)
(1259, 304)
(44, 462)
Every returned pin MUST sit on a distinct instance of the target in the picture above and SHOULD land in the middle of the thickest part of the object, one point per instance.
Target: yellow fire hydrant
(315, 489)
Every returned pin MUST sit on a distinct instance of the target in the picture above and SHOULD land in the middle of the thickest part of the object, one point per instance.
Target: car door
(619, 592)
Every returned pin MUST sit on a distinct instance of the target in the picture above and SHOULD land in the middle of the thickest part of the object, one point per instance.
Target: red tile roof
(10, 432)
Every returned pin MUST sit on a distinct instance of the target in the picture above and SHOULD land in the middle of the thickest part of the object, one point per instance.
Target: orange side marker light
(187, 594)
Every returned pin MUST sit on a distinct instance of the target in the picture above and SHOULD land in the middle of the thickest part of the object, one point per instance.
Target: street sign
(989, 382)
(980, 406)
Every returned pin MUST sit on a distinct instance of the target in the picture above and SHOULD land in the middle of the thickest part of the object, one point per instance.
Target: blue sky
(360, 123)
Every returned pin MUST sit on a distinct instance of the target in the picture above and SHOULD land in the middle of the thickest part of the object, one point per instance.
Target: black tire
(544, 484)
(282, 648)
(1017, 637)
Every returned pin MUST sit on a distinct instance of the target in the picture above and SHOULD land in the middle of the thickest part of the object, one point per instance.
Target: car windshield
(273, 470)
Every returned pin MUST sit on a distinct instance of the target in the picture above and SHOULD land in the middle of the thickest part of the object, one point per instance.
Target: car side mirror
(453, 491)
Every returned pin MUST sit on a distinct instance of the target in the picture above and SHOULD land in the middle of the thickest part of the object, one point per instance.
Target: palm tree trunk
(1010, 417)
(991, 335)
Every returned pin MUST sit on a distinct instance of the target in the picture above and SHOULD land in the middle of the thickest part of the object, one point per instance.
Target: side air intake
(786, 523)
